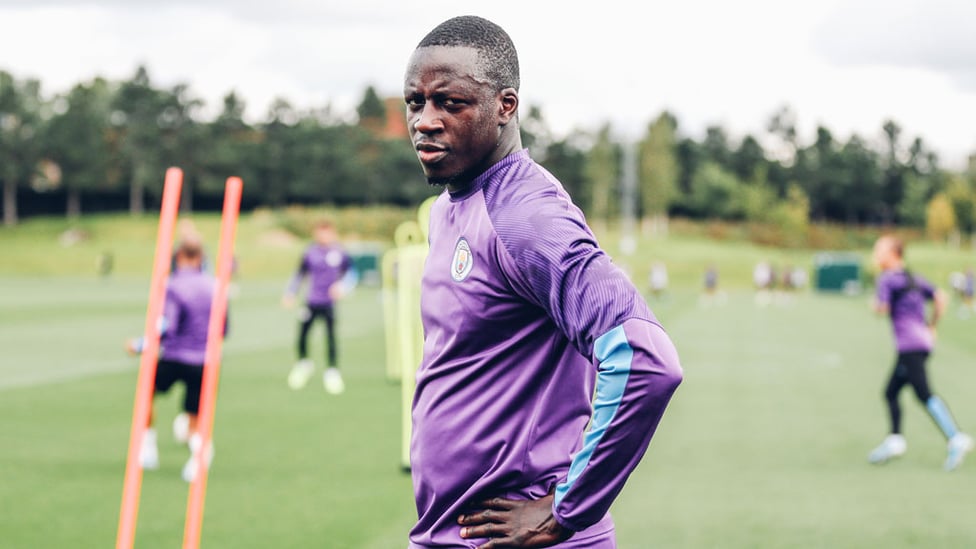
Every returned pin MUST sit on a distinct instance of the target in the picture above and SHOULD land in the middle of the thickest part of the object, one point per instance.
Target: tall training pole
(211, 364)
(150, 353)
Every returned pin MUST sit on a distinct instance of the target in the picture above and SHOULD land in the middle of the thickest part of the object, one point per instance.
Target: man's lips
(429, 153)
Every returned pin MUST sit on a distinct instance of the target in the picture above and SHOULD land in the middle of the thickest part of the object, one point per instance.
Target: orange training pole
(150, 353)
(211, 365)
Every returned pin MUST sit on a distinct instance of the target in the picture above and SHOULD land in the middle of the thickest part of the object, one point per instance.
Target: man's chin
(440, 179)
(456, 179)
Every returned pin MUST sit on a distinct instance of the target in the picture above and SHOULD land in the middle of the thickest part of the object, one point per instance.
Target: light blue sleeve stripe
(614, 355)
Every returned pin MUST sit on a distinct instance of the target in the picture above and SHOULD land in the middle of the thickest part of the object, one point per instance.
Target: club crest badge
(463, 261)
(333, 258)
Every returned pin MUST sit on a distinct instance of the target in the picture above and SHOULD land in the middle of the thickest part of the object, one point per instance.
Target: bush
(940, 218)
(354, 223)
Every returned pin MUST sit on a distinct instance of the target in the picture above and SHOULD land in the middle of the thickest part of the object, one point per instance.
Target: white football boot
(190, 467)
(892, 447)
(181, 428)
(148, 451)
(301, 373)
(332, 380)
(959, 445)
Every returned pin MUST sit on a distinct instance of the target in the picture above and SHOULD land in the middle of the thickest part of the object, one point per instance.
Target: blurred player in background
(524, 317)
(329, 270)
(186, 231)
(104, 264)
(659, 280)
(762, 276)
(957, 282)
(711, 293)
(789, 283)
(799, 278)
(968, 289)
(183, 344)
(787, 279)
(902, 296)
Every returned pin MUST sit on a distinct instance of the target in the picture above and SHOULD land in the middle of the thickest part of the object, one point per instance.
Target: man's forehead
(456, 61)
(446, 54)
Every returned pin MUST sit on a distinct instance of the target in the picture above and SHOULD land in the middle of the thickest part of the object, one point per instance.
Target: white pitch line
(34, 378)
(50, 377)
(91, 369)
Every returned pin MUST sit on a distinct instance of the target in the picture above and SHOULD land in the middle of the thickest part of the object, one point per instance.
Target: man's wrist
(560, 526)
(557, 529)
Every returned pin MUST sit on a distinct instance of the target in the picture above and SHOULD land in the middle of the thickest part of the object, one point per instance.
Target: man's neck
(468, 179)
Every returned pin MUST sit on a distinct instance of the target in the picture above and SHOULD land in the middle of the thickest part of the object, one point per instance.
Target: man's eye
(414, 102)
(451, 103)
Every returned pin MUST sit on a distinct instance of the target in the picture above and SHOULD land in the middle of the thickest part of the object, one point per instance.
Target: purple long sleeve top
(324, 266)
(186, 316)
(543, 368)
(906, 299)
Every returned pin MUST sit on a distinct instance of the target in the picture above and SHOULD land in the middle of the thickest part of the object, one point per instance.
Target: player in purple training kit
(902, 296)
(183, 345)
(544, 373)
(329, 270)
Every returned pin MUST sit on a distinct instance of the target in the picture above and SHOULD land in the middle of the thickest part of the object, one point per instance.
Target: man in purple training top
(326, 265)
(902, 296)
(183, 345)
(525, 317)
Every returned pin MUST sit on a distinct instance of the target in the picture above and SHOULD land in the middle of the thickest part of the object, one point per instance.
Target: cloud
(933, 35)
(848, 64)
(324, 14)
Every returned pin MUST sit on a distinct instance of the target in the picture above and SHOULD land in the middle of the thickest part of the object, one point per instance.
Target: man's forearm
(639, 371)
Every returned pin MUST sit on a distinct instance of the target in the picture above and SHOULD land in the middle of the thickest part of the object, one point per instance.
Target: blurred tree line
(105, 145)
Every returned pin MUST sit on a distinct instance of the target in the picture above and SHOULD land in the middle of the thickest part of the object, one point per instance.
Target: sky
(848, 65)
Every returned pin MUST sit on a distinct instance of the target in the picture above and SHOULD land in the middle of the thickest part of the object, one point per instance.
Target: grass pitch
(764, 445)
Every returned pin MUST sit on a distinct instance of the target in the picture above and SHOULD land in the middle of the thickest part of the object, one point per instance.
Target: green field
(764, 444)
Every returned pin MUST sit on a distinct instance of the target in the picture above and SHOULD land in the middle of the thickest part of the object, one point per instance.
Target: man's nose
(428, 120)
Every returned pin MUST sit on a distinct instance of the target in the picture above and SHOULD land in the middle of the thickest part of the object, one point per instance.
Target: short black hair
(492, 42)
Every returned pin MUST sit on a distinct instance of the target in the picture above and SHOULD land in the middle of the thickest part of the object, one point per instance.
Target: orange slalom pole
(211, 364)
(150, 353)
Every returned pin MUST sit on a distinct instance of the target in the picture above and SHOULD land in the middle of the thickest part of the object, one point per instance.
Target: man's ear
(508, 102)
